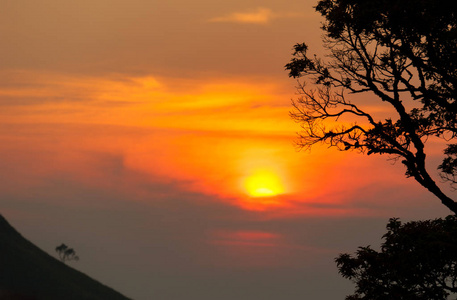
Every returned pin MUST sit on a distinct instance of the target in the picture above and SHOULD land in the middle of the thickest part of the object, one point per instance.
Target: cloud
(259, 16)
(208, 136)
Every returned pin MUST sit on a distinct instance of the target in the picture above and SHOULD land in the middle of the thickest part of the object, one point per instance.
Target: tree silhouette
(66, 254)
(400, 52)
(417, 260)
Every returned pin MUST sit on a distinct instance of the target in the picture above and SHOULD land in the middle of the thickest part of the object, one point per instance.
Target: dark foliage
(418, 260)
(401, 52)
(66, 254)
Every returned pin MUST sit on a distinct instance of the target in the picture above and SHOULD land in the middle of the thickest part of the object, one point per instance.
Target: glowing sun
(263, 183)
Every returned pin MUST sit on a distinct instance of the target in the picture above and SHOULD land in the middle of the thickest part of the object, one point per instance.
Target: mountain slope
(27, 272)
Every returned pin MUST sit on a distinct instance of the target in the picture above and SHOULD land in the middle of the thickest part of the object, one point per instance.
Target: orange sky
(161, 129)
(231, 138)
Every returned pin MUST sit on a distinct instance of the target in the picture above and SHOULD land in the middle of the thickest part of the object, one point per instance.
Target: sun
(263, 183)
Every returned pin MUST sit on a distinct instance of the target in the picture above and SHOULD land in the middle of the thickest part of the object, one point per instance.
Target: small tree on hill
(66, 254)
(403, 52)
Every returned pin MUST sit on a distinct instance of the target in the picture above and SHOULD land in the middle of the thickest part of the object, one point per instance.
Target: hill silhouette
(28, 273)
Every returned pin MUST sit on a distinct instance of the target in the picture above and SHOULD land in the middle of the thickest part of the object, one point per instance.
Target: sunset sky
(154, 138)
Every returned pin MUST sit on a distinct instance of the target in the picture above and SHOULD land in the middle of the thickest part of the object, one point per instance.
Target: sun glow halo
(263, 183)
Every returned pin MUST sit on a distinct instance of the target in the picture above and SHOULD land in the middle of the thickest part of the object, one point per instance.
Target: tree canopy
(417, 260)
(403, 53)
(66, 253)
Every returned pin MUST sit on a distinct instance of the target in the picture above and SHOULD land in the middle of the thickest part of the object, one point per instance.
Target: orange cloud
(259, 16)
(231, 139)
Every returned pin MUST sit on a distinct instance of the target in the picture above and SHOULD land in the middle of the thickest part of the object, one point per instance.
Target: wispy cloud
(259, 16)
